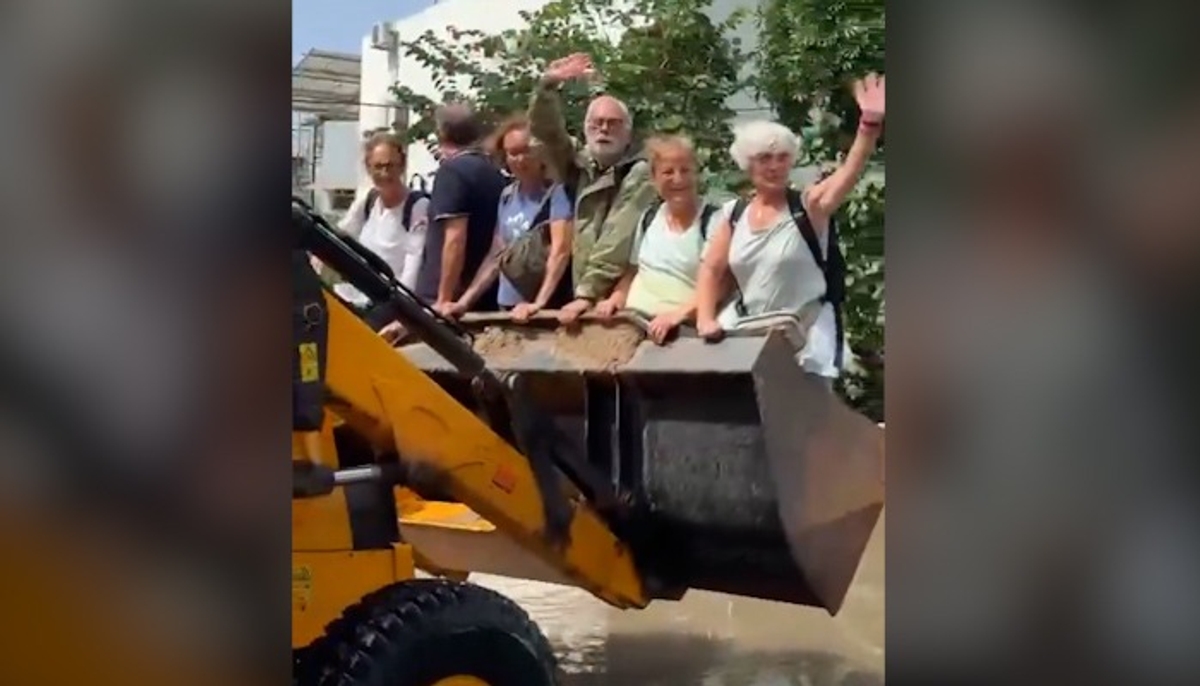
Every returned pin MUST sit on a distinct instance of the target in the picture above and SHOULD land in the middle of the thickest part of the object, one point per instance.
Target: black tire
(417, 632)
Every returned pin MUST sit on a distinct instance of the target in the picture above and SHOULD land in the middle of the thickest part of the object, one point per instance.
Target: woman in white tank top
(763, 248)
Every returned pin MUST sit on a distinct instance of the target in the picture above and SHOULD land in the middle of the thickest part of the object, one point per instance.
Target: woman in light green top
(660, 282)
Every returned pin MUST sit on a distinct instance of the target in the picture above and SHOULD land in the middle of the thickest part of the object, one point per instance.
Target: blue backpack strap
(410, 202)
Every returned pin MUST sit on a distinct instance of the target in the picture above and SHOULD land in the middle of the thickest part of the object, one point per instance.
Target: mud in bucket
(746, 475)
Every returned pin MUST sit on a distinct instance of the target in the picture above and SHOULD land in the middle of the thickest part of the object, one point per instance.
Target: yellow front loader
(590, 458)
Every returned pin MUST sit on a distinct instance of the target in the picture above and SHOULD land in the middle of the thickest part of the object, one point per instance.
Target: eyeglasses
(778, 157)
(602, 124)
(386, 166)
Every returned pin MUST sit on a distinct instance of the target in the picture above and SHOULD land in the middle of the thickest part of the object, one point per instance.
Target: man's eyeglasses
(603, 124)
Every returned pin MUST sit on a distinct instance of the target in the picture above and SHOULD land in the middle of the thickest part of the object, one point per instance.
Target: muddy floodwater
(709, 639)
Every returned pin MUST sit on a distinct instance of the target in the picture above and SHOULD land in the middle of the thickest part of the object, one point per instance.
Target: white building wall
(746, 105)
(341, 156)
(491, 16)
(482, 15)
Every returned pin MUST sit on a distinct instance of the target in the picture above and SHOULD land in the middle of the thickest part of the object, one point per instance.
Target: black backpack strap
(406, 211)
(739, 208)
(831, 262)
(735, 213)
(800, 217)
(372, 196)
(648, 217)
(622, 168)
(706, 215)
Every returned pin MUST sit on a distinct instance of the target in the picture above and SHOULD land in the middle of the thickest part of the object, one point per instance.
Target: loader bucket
(747, 475)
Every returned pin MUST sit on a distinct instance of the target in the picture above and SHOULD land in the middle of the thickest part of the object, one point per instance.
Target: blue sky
(341, 24)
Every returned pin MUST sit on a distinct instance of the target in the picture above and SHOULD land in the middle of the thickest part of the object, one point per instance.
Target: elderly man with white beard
(609, 178)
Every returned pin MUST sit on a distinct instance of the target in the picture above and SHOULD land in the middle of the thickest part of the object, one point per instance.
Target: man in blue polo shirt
(466, 194)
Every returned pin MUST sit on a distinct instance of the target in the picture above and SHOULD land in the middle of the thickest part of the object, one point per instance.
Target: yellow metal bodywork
(381, 396)
(328, 575)
(324, 583)
(320, 524)
(460, 681)
(387, 399)
(451, 536)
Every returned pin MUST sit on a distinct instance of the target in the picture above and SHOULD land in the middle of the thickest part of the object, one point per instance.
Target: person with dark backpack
(390, 220)
(607, 176)
(672, 235)
(780, 245)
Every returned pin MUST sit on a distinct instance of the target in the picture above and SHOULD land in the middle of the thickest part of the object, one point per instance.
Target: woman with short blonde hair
(660, 281)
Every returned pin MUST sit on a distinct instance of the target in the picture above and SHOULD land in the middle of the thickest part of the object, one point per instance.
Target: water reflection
(709, 639)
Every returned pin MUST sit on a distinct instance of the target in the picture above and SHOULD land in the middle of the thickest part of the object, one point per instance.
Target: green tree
(676, 69)
(810, 53)
(672, 66)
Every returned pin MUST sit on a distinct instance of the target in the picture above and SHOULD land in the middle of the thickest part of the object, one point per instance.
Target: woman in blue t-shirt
(531, 193)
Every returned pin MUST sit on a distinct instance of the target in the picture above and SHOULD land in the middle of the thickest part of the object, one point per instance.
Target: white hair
(620, 105)
(754, 138)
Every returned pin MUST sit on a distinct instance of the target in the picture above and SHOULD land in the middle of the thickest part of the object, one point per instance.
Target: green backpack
(523, 261)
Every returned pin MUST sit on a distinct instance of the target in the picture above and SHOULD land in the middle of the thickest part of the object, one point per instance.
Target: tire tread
(379, 631)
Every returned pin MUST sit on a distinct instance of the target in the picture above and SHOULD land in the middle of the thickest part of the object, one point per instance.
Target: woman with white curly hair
(775, 246)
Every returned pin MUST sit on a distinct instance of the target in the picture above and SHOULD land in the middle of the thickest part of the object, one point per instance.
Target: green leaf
(677, 71)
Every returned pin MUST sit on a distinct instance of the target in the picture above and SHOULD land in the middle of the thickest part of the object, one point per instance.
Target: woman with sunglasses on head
(531, 248)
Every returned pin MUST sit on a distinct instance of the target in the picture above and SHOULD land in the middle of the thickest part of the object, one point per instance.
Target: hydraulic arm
(593, 456)
(498, 459)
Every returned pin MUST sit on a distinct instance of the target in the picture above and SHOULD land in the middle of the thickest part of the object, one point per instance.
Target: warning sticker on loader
(310, 364)
(301, 587)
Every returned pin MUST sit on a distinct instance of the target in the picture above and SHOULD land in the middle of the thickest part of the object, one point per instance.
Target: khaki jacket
(608, 202)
